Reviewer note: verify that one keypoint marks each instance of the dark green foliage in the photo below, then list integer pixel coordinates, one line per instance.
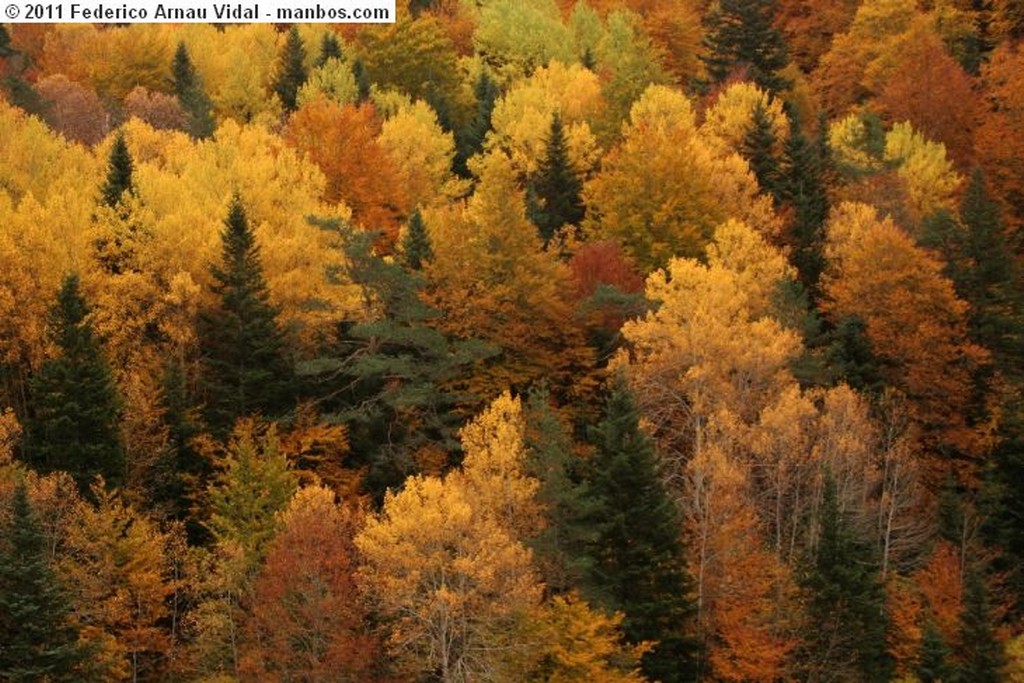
(188, 87)
(73, 421)
(470, 140)
(37, 642)
(185, 470)
(638, 563)
(330, 48)
(803, 188)
(291, 70)
(246, 370)
(741, 37)
(846, 602)
(981, 653)
(120, 171)
(17, 90)
(934, 663)
(416, 249)
(759, 149)
(362, 81)
(564, 495)
(391, 379)
(556, 186)
(850, 357)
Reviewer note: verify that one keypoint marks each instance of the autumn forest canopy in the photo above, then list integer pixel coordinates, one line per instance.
(518, 340)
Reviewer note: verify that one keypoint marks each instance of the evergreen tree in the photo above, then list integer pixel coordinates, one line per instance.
(416, 249)
(933, 666)
(18, 91)
(120, 174)
(74, 406)
(741, 35)
(803, 188)
(471, 140)
(188, 87)
(556, 186)
(291, 70)
(638, 564)
(185, 471)
(330, 48)
(37, 642)
(847, 602)
(243, 348)
(362, 81)
(982, 657)
(758, 149)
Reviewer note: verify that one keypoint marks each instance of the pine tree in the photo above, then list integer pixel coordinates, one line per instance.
(933, 666)
(803, 188)
(980, 651)
(638, 564)
(185, 470)
(741, 35)
(120, 174)
(758, 149)
(416, 249)
(243, 348)
(471, 139)
(330, 48)
(847, 602)
(556, 186)
(74, 404)
(291, 71)
(362, 81)
(37, 642)
(188, 87)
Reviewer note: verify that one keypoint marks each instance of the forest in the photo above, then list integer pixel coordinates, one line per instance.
(516, 340)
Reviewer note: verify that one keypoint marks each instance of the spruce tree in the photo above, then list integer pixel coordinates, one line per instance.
(188, 88)
(246, 370)
(933, 666)
(416, 249)
(37, 642)
(846, 602)
(637, 561)
(758, 148)
(330, 48)
(981, 653)
(120, 174)
(471, 138)
(291, 70)
(741, 36)
(362, 81)
(73, 421)
(556, 186)
(803, 188)
(117, 250)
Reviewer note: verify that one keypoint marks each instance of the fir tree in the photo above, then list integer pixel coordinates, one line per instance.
(638, 565)
(741, 36)
(933, 666)
(120, 174)
(758, 149)
(185, 470)
(847, 602)
(74, 405)
(330, 48)
(982, 657)
(416, 249)
(37, 642)
(362, 81)
(556, 186)
(243, 348)
(471, 141)
(188, 88)
(803, 188)
(291, 70)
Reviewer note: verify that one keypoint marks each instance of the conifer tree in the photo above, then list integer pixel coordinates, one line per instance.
(981, 653)
(188, 87)
(847, 602)
(416, 249)
(246, 370)
(758, 149)
(330, 48)
(471, 139)
(120, 174)
(638, 565)
(803, 188)
(741, 35)
(933, 666)
(37, 641)
(556, 186)
(74, 405)
(362, 81)
(291, 70)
